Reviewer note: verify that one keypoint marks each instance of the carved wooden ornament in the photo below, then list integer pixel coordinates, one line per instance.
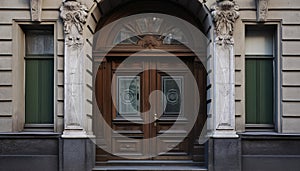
(150, 42)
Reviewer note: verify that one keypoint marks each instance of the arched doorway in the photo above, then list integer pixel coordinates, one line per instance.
(122, 95)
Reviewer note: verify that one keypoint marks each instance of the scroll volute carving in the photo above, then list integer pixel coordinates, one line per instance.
(224, 13)
(74, 15)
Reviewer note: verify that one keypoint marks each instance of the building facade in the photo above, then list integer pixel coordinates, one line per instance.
(149, 85)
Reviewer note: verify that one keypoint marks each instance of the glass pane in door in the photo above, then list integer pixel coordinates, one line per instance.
(172, 89)
(128, 92)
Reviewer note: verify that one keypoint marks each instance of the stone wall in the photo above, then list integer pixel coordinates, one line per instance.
(12, 15)
(286, 15)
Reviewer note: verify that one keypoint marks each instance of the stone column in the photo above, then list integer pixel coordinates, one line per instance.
(224, 13)
(74, 16)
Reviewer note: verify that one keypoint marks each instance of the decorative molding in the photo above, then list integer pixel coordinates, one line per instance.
(262, 10)
(150, 42)
(74, 15)
(36, 10)
(224, 13)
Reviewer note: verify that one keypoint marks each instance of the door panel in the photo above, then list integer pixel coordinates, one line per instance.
(126, 108)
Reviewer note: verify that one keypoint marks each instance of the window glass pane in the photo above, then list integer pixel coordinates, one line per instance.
(39, 91)
(259, 91)
(172, 89)
(251, 91)
(128, 95)
(266, 91)
(39, 43)
(259, 42)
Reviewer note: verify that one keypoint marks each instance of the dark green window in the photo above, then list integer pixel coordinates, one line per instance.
(259, 73)
(39, 77)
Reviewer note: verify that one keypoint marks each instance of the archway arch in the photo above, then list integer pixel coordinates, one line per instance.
(199, 11)
(127, 8)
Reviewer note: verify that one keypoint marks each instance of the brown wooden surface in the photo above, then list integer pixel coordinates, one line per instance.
(150, 80)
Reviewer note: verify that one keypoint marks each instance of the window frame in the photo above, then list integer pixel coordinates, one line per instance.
(275, 27)
(45, 56)
(20, 27)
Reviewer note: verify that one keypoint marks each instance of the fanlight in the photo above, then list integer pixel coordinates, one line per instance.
(147, 28)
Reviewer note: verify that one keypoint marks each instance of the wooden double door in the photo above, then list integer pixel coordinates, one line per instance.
(149, 104)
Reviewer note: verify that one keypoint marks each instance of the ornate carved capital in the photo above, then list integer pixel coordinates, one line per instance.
(225, 13)
(74, 15)
(262, 10)
(36, 10)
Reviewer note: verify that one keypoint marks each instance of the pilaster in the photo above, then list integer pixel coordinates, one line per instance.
(74, 16)
(224, 13)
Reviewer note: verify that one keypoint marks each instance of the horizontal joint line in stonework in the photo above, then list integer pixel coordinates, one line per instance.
(6, 40)
(272, 156)
(6, 70)
(290, 40)
(292, 70)
(6, 54)
(5, 100)
(284, 9)
(5, 115)
(296, 86)
(291, 55)
(296, 100)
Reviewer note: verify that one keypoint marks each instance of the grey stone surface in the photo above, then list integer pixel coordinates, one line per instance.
(270, 152)
(29, 163)
(227, 155)
(78, 154)
(259, 163)
(28, 153)
(28, 146)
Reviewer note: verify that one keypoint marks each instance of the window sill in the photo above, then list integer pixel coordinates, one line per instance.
(38, 128)
(260, 128)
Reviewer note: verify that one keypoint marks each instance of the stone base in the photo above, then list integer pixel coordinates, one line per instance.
(74, 133)
(78, 154)
(225, 154)
(224, 134)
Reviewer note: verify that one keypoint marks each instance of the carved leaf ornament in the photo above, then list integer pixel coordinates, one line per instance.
(224, 13)
(74, 16)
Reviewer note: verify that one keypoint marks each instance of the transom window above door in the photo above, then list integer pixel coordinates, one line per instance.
(165, 31)
(158, 30)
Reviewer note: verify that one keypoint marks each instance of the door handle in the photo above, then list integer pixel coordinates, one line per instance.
(155, 118)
